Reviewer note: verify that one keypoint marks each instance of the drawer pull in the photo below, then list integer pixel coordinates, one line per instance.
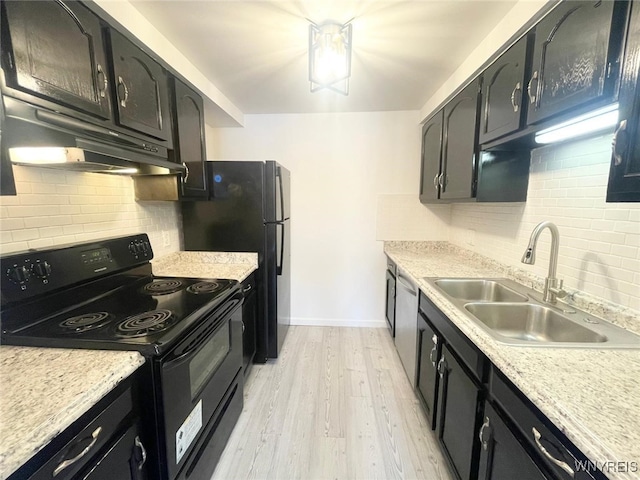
(246, 289)
(555, 461)
(143, 452)
(434, 350)
(86, 450)
(483, 442)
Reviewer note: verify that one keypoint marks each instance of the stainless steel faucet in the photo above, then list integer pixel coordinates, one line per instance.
(552, 286)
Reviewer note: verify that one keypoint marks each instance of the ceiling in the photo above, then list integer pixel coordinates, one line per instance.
(255, 52)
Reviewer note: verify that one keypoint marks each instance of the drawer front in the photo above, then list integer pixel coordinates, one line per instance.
(77, 453)
(558, 455)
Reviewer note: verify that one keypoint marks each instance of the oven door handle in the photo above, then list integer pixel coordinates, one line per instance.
(191, 349)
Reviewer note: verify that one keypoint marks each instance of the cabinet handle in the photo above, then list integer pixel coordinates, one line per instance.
(62, 465)
(532, 98)
(247, 288)
(619, 143)
(186, 173)
(483, 442)
(441, 180)
(435, 181)
(123, 101)
(517, 88)
(555, 461)
(434, 350)
(442, 367)
(143, 452)
(105, 82)
(242, 325)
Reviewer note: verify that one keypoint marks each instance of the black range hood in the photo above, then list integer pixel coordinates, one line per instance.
(36, 136)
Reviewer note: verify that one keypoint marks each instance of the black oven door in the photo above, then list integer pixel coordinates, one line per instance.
(194, 378)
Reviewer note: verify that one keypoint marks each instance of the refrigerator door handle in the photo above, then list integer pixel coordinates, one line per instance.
(281, 193)
(280, 262)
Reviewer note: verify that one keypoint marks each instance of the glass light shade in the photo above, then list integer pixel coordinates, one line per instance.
(330, 57)
(588, 123)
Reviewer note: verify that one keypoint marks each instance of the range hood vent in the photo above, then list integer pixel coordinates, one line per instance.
(38, 137)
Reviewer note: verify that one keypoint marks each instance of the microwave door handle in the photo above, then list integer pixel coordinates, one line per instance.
(280, 263)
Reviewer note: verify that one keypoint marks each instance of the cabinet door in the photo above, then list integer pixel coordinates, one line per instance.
(572, 64)
(457, 405)
(249, 319)
(124, 460)
(431, 154)
(429, 348)
(141, 89)
(56, 51)
(502, 455)
(459, 154)
(502, 93)
(189, 140)
(624, 176)
(390, 304)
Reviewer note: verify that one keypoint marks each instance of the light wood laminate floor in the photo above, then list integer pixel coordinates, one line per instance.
(336, 404)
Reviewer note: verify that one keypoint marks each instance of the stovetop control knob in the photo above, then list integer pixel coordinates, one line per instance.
(18, 274)
(133, 248)
(41, 269)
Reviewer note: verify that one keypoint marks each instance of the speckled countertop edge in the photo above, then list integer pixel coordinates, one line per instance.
(231, 265)
(591, 395)
(44, 390)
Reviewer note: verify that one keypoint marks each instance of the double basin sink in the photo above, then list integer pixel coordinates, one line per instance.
(512, 314)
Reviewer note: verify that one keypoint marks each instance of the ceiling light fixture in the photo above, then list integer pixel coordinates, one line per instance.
(591, 122)
(330, 56)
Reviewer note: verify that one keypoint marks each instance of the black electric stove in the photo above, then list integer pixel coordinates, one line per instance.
(101, 295)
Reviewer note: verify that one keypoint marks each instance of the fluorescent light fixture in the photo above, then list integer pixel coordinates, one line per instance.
(68, 158)
(330, 56)
(592, 122)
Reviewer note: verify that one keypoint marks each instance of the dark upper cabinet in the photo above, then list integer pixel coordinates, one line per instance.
(430, 159)
(574, 62)
(460, 145)
(502, 455)
(429, 348)
(189, 139)
(624, 175)
(141, 89)
(503, 86)
(55, 51)
(459, 398)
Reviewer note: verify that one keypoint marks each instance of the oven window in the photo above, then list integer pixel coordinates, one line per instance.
(207, 360)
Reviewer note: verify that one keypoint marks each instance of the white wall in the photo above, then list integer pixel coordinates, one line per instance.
(56, 207)
(599, 241)
(342, 167)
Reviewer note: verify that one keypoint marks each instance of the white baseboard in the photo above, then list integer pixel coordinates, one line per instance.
(338, 322)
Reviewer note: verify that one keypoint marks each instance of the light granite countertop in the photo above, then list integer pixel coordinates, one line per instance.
(591, 395)
(44, 390)
(232, 265)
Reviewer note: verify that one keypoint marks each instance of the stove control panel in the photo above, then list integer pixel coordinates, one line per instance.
(34, 272)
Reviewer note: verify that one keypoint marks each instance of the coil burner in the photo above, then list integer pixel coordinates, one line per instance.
(85, 322)
(145, 323)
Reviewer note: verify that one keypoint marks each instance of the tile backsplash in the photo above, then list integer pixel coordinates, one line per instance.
(55, 207)
(599, 241)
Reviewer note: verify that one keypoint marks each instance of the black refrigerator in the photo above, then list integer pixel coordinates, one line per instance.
(248, 211)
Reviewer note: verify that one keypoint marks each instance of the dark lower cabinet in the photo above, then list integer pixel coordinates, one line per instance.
(502, 456)
(105, 443)
(459, 401)
(624, 174)
(249, 321)
(429, 350)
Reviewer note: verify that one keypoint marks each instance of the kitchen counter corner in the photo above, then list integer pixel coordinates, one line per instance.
(230, 265)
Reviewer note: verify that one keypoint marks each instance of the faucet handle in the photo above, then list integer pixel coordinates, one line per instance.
(557, 289)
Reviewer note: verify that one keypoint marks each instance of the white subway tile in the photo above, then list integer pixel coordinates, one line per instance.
(40, 243)
(11, 224)
(25, 234)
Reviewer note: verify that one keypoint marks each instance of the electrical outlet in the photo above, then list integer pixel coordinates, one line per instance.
(166, 239)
